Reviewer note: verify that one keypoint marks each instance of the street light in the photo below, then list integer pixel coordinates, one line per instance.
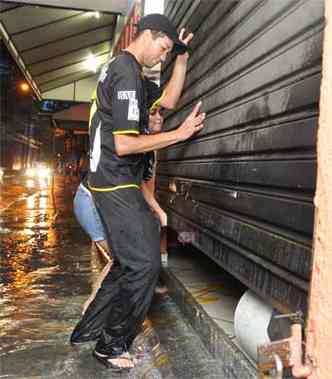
(24, 87)
(91, 63)
(95, 14)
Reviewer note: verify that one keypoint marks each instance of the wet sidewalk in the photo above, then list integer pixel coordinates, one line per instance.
(11, 189)
(46, 270)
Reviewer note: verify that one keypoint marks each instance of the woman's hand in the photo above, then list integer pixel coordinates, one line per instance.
(162, 215)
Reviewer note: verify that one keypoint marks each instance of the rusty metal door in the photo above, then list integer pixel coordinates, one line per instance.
(244, 186)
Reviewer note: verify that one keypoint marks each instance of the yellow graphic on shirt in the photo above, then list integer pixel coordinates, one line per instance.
(110, 189)
(156, 103)
(120, 132)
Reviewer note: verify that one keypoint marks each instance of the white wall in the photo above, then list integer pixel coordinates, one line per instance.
(81, 90)
(153, 6)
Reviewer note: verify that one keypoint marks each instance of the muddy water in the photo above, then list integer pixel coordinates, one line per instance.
(46, 269)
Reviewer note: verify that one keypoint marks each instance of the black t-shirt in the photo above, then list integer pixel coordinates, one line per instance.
(121, 107)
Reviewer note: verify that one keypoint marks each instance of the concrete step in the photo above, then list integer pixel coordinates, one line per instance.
(207, 297)
(183, 349)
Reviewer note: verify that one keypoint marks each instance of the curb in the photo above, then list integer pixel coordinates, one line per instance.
(233, 361)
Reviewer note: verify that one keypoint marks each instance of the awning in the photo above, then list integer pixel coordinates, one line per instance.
(57, 48)
(75, 118)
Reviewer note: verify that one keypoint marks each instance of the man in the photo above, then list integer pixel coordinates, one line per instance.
(119, 138)
(84, 207)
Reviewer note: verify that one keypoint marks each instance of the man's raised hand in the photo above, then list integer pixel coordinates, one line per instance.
(192, 124)
(188, 38)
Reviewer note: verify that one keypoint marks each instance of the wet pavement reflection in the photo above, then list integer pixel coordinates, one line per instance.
(46, 270)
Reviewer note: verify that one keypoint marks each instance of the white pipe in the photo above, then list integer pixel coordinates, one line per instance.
(251, 322)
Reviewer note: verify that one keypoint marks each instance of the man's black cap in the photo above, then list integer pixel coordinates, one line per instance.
(161, 23)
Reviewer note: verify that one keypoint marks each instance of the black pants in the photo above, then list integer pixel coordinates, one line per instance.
(122, 302)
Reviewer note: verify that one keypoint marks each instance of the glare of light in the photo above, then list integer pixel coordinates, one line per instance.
(30, 172)
(24, 87)
(40, 172)
(95, 14)
(91, 63)
(44, 172)
(17, 166)
(27, 231)
(43, 202)
(42, 183)
(30, 183)
(31, 202)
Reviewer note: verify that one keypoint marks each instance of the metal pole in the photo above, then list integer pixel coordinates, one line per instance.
(319, 330)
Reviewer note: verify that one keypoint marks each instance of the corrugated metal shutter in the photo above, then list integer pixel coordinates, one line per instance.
(245, 184)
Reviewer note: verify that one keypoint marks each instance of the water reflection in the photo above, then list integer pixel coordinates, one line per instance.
(30, 183)
(32, 310)
(30, 201)
(45, 274)
(40, 215)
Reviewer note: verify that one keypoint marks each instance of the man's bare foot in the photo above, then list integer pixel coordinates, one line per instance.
(122, 362)
(160, 290)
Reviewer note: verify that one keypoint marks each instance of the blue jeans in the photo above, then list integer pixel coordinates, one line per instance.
(87, 214)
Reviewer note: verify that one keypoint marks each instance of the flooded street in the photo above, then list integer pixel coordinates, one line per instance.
(46, 273)
(45, 268)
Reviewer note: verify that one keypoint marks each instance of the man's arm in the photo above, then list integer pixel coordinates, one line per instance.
(126, 144)
(173, 89)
